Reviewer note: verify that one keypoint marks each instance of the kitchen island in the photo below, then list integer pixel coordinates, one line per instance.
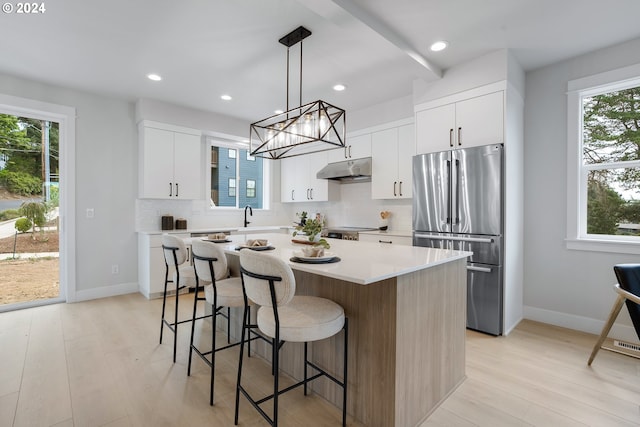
(407, 314)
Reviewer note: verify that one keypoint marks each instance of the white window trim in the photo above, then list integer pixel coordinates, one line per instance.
(576, 200)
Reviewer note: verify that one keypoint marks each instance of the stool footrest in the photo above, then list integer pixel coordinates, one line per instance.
(292, 386)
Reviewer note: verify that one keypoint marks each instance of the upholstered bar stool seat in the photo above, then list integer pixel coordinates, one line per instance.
(187, 276)
(303, 319)
(229, 292)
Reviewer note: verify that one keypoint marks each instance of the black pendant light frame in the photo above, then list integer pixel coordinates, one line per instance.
(310, 128)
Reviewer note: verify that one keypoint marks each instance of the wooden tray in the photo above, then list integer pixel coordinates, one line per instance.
(303, 242)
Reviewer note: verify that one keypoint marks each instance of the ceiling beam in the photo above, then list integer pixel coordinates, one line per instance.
(388, 33)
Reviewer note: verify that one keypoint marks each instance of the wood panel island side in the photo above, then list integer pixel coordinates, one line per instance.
(407, 317)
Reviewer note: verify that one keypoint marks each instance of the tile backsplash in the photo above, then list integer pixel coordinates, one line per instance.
(353, 208)
(356, 208)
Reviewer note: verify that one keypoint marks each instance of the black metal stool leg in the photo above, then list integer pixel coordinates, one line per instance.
(213, 346)
(276, 369)
(305, 367)
(228, 325)
(164, 300)
(344, 378)
(193, 325)
(245, 322)
(175, 324)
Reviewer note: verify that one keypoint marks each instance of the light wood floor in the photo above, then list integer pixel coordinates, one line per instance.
(98, 363)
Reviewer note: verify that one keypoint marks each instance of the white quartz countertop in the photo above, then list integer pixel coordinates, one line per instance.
(361, 262)
(254, 229)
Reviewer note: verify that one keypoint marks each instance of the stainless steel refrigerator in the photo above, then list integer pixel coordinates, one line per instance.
(458, 204)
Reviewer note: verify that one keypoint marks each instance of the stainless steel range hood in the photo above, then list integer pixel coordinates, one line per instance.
(357, 170)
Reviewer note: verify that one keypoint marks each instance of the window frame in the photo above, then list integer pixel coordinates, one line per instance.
(577, 237)
(234, 186)
(247, 181)
(237, 144)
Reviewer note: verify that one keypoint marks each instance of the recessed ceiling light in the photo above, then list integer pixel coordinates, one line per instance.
(278, 111)
(439, 45)
(339, 87)
(226, 97)
(154, 77)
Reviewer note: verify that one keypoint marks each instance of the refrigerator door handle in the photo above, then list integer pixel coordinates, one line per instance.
(456, 239)
(479, 269)
(448, 193)
(470, 239)
(457, 191)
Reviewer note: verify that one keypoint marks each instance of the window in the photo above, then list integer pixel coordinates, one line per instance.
(237, 179)
(251, 188)
(232, 187)
(604, 147)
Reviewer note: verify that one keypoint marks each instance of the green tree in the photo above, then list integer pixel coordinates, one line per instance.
(31, 161)
(611, 133)
(36, 213)
(13, 138)
(22, 146)
(603, 208)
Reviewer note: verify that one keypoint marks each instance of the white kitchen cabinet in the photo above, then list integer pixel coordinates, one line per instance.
(356, 147)
(391, 156)
(290, 185)
(298, 182)
(151, 267)
(384, 238)
(471, 122)
(170, 162)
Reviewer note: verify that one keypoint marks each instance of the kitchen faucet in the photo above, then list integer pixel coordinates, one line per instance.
(245, 215)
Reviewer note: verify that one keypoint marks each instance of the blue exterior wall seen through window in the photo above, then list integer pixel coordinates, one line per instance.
(249, 169)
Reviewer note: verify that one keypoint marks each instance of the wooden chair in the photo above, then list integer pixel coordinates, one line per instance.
(628, 289)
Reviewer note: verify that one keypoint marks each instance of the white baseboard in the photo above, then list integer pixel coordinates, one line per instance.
(580, 323)
(106, 291)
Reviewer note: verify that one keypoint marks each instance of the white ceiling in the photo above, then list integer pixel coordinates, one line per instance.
(205, 48)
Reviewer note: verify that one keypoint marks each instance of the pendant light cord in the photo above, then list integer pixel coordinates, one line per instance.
(288, 66)
(287, 81)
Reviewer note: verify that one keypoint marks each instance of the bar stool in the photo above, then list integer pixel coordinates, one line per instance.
(210, 265)
(175, 257)
(282, 316)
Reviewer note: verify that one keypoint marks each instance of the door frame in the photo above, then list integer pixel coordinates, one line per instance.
(66, 117)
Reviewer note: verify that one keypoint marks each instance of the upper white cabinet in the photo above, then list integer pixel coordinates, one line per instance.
(471, 122)
(356, 147)
(298, 182)
(170, 162)
(391, 155)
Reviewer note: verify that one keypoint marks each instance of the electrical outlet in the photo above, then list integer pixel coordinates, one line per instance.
(89, 212)
(114, 269)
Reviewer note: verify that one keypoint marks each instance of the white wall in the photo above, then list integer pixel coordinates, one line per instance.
(490, 68)
(106, 180)
(564, 287)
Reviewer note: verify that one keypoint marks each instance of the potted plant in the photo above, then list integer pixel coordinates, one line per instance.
(312, 229)
(303, 218)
